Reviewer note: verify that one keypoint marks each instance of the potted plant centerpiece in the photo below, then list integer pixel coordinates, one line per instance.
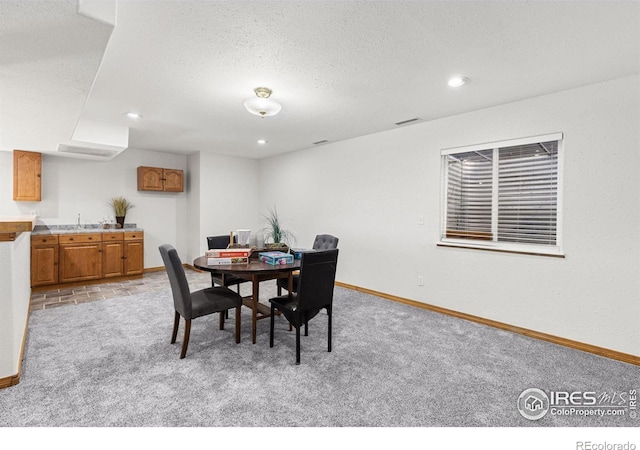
(120, 207)
(279, 237)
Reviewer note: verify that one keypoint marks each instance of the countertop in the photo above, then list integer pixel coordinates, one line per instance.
(72, 229)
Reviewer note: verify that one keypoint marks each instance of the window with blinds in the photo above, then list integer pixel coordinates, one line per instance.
(503, 194)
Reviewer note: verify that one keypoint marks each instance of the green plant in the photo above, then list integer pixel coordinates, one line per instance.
(273, 230)
(120, 206)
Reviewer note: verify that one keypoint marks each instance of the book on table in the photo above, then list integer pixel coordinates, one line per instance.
(228, 253)
(223, 261)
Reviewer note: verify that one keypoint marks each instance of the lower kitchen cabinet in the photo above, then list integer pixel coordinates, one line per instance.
(44, 260)
(112, 255)
(133, 253)
(66, 258)
(80, 257)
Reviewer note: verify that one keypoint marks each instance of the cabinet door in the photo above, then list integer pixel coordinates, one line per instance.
(44, 265)
(150, 179)
(133, 257)
(27, 167)
(173, 180)
(79, 262)
(112, 259)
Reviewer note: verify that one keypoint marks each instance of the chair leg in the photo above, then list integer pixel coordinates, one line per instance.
(185, 341)
(226, 313)
(279, 291)
(238, 313)
(221, 314)
(306, 323)
(176, 322)
(329, 326)
(271, 324)
(298, 345)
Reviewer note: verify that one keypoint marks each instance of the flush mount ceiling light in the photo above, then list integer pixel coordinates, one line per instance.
(132, 115)
(457, 81)
(262, 105)
(261, 141)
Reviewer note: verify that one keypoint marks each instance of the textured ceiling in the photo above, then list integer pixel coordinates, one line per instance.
(49, 57)
(340, 69)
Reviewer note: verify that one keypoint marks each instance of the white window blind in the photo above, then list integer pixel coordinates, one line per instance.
(503, 194)
(469, 195)
(528, 193)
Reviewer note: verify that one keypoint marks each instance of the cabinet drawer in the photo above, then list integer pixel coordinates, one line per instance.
(133, 235)
(80, 238)
(112, 236)
(44, 239)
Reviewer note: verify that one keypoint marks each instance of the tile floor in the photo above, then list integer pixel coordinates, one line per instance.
(152, 281)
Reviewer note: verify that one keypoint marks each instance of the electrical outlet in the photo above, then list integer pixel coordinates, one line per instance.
(35, 212)
(420, 281)
(420, 220)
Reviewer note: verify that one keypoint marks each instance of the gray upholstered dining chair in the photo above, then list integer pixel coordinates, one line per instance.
(315, 292)
(321, 242)
(191, 305)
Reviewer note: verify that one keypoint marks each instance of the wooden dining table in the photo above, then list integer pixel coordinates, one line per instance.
(256, 272)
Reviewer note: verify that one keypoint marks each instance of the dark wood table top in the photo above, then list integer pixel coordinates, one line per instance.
(253, 266)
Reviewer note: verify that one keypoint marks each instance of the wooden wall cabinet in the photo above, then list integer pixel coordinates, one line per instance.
(159, 179)
(44, 260)
(27, 176)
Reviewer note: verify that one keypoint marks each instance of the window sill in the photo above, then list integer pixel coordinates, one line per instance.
(552, 252)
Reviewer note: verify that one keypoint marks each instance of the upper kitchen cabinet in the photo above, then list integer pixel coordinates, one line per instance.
(27, 176)
(159, 179)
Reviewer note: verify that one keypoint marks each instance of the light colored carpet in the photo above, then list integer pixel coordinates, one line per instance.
(109, 363)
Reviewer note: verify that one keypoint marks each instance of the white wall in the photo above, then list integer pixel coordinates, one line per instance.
(15, 293)
(370, 191)
(224, 198)
(73, 186)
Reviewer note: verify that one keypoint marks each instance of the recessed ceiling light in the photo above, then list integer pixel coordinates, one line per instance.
(457, 81)
(132, 115)
(262, 141)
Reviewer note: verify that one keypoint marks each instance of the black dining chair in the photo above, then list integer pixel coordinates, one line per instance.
(191, 305)
(315, 292)
(223, 279)
(321, 242)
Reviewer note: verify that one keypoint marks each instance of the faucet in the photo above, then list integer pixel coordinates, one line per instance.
(78, 227)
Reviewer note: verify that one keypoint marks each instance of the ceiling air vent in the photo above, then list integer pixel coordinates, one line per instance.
(324, 141)
(87, 151)
(404, 122)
